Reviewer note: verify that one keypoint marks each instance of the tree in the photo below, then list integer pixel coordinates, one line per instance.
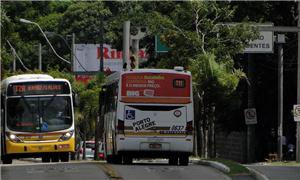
(83, 19)
(200, 41)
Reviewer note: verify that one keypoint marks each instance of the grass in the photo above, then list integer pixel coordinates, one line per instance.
(235, 168)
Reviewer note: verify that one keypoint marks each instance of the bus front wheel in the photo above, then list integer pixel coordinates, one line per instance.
(6, 160)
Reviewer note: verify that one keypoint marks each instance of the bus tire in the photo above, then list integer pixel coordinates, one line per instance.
(127, 160)
(183, 160)
(45, 158)
(173, 160)
(64, 157)
(6, 160)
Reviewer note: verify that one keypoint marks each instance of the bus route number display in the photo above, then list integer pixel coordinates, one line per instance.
(20, 89)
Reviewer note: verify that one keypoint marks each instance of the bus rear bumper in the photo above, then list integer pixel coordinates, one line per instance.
(155, 146)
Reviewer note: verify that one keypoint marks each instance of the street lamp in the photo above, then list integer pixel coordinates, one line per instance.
(72, 49)
(30, 22)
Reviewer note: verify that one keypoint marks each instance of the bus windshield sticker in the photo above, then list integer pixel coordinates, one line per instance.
(130, 114)
(143, 124)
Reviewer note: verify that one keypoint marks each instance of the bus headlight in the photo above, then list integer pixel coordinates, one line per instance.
(66, 136)
(14, 138)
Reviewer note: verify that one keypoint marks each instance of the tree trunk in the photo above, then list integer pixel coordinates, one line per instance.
(211, 132)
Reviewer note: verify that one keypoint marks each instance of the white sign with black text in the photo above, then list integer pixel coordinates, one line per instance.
(264, 43)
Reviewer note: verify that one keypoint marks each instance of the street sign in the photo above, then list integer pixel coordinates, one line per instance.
(297, 112)
(250, 116)
(263, 44)
(159, 46)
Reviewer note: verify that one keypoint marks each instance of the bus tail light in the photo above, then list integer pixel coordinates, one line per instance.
(66, 136)
(14, 138)
(189, 127)
(120, 127)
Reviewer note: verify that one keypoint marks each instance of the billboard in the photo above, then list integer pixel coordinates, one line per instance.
(87, 58)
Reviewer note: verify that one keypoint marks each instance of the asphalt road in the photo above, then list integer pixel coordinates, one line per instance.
(160, 170)
(53, 171)
(278, 172)
(141, 170)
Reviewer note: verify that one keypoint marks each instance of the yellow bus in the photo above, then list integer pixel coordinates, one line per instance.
(37, 118)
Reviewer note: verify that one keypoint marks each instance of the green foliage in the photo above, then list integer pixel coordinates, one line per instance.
(83, 18)
(56, 73)
(219, 78)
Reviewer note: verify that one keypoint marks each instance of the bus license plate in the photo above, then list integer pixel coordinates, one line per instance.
(155, 146)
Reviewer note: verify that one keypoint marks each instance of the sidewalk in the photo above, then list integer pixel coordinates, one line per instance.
(251, 175)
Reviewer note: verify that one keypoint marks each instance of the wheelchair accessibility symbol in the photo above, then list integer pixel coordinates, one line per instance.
(130, 114)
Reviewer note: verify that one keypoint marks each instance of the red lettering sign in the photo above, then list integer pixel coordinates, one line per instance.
(114, 54)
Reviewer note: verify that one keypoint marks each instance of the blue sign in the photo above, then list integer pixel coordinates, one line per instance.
(130, 114)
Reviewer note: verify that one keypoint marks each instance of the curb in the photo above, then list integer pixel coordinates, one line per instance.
(217, 165)
(258, 175)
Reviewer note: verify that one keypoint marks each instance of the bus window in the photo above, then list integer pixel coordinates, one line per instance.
(39, 114)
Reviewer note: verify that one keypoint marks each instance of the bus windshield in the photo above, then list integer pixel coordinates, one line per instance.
(39, 114)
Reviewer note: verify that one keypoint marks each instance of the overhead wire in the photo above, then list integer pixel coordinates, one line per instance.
(76, 58)
(17, 55)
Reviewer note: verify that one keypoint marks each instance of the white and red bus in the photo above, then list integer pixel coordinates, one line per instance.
(149, 113)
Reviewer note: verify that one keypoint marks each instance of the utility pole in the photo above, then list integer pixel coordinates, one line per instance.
(40, 56)
(298, 92)
(280, 41)
(251, 104)
(126, 36)
(73, 52)
(14, 60)
(101, 44)
(98, 129)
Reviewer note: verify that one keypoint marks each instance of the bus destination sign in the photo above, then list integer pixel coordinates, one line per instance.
(38, 88)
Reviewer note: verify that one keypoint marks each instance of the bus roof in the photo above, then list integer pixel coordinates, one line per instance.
(156, 71)
(116, 75)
